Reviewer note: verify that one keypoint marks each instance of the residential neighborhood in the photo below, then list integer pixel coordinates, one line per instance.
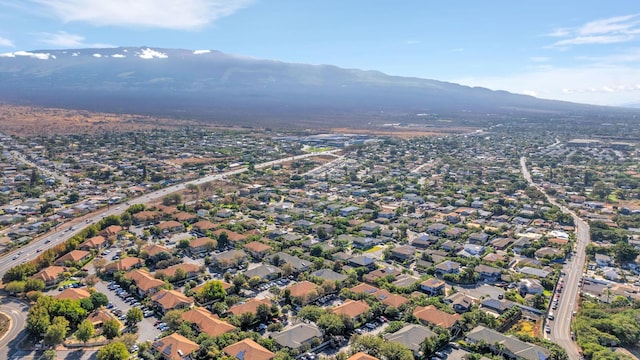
(386, 249)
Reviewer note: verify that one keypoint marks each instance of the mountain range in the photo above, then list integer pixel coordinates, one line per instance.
(211, 85)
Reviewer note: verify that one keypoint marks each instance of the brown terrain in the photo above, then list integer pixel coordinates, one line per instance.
(34, 121)
(38, 121)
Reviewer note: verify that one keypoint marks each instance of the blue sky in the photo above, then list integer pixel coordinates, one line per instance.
(577, 50)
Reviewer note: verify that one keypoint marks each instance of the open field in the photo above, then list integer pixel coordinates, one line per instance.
(407, 132)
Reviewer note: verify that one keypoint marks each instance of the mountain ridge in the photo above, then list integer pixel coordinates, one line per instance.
(212, 85)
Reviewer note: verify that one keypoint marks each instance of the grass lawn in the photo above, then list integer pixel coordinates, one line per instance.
(375, 248)
(547, 293)
(524, 327)
(67, 282)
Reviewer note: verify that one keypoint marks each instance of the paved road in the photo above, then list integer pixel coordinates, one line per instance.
(573, 269)
(64, 232)
(17, 312)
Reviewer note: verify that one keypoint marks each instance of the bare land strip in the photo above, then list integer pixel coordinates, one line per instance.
(407, 132)
(4, 324)
(35, 121)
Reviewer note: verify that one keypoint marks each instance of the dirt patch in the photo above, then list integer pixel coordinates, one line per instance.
(34, 121)
(4, 324)
(407, 132)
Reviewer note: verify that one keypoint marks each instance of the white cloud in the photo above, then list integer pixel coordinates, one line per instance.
(41, 56)
(4, 42)
(118, 56)
(200, 52)
(150, 54)
(66, 40)
(611, 30)
(592, 84)
(168, 14)
(529, 92)
(97, 55)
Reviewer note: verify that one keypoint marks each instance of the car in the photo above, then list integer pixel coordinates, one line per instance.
(47, 241)
(547, 329)
(370, 325)
(359, 331)
(550, 316)
(110, 306)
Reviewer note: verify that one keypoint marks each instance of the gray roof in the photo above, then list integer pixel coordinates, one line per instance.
(411, 336)
(519, 348)
(296, 336)
(262, 271)
(328, 274)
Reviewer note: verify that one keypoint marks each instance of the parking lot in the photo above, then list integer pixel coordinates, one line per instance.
(146, 329)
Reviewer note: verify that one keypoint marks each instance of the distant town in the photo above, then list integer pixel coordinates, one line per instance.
(510, 241)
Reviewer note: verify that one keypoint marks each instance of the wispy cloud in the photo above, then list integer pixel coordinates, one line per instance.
(611, 30)
(168, 14)
(4, 42)
(590, 84)
(540, 59)
(66, 40)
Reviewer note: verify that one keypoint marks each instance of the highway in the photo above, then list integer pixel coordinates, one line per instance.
(573, 270)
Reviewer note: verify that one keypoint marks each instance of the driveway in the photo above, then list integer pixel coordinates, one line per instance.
(479, 290)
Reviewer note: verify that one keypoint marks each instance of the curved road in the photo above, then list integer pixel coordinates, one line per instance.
(17, 312)
(573, 269)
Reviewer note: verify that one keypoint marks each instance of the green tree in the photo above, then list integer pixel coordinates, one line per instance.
(211, 290)
(173, 319)
(134, 316)
(33, 285)
(15, 287)
(331, 323)
(50, 354)
(114, 351)
(38, 320)
(111, 329)
(99, 299)
(263, 312)
(85, 331)
(57, 332)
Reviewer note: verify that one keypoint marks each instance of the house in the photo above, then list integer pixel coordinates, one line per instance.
(373, 276)
(521, 244)
(362, 356)
(437, 228)
(297, 264)
(352, 309)
(507, 345)
(328, 274)
(459, 302)
(549, 252)
(603, 260)
(124, 264)
(363, 261)
(297, 336)
(447, 267)
(171, 226)
(145, 282)
(154, 250)
(111, 231)
(478, 238)
(412, 336)
(167, 300)
(73, 294)
(501, 243)
(381, 295)
(405, 281)
(264, 272)
(495, 305)
(251, 306)
(304, 292)
(202, 245)
(257, 249)
(175, 347)
(248, 349)
(101, 316)
(146, 217)
(229, 259)
(364, 243)
(50, 275)
(403, 253)
(202, 226)
(189, 271)
(206, 322)
(96, 242)
(530, 286)
(185, 217)
(433, 286)
(488, 272)
(430, 315)
(73, 257)
(423, 241)
(450, 245)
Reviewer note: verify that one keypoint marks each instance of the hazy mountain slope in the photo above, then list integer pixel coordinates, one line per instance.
(213, 85)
